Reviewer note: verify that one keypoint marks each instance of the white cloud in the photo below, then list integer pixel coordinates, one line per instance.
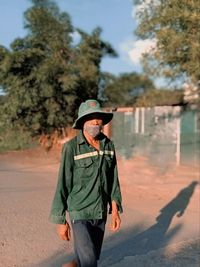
(133, 50)
(139, 48)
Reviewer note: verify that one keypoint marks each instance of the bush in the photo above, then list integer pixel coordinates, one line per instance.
(15, 139)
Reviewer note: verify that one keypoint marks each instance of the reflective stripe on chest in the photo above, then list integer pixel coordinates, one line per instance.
(93, 154)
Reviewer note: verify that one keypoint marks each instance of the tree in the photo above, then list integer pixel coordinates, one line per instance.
(44, 75)
(160, 97)
(125, 89)
(174, 25)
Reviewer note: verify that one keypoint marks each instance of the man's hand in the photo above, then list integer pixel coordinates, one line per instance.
(115, 221)
(64, 231)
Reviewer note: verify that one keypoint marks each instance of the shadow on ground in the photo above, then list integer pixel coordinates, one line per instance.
(135, 240)
(131, 243)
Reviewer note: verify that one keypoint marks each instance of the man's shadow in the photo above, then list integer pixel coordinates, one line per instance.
(156, 236)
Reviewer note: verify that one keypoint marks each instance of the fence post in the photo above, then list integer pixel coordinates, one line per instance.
(178, 141)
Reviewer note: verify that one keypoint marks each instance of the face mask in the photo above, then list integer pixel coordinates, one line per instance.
(93, 130)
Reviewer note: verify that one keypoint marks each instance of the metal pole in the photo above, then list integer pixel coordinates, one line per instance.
(178, 141)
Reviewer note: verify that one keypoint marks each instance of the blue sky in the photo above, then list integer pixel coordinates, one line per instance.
(115, 17)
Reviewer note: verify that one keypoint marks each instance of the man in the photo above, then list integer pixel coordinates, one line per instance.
(87, 184)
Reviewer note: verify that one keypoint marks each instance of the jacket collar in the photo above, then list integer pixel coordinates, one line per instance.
(80, 137)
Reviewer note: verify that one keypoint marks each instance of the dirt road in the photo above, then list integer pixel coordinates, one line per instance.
(160, 223)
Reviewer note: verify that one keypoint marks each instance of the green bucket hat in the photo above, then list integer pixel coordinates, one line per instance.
(88, 108)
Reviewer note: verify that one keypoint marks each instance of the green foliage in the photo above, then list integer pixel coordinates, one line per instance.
(125, 89)
(44, 76)
(162, 97)
(15, 139)
(2, 100)
(174, 24)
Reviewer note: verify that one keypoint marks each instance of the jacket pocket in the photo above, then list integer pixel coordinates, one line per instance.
(83, 163)
(84, 168)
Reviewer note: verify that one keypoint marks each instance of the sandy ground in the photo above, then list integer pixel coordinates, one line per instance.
(160, 223)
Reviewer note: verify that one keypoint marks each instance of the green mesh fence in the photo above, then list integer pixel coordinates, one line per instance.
(163, 134)
(190, 137)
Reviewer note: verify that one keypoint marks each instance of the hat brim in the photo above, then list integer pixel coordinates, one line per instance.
(105, 116)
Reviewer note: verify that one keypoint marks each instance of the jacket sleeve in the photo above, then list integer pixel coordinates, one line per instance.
(64, 184)
(116, 192)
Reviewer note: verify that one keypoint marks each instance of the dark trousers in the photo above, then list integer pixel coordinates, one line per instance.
(88, 239)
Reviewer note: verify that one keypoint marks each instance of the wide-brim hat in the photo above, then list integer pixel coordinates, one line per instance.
(87, 109)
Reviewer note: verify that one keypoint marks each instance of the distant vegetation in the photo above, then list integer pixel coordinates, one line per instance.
(133, 89)
(15, 139)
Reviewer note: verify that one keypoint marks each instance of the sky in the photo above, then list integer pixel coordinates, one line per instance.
(115, 17)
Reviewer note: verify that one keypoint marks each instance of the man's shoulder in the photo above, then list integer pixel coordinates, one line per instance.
(71, 143)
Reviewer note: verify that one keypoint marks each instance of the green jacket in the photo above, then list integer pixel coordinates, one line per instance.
(87, 181)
